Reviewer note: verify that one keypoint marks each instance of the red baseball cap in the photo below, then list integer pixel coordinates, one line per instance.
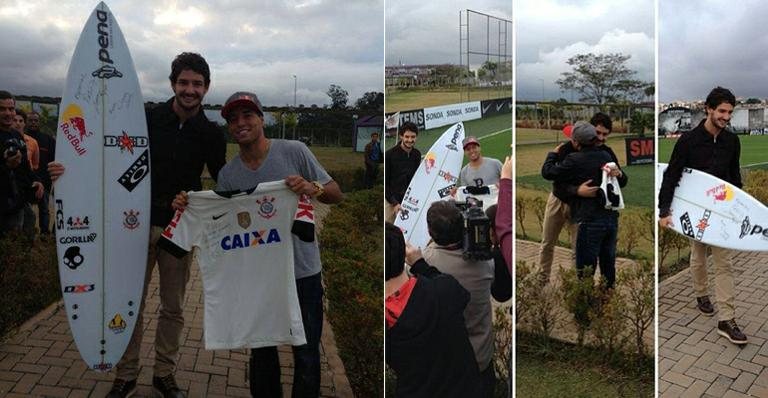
(470, 140)
(242, 98)
(568, 130)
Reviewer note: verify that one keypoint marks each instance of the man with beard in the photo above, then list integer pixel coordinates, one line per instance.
(401, 164)
(182, 141)
(710, 148)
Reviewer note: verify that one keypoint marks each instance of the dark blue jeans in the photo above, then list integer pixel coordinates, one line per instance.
(265, 364)
(596, 240)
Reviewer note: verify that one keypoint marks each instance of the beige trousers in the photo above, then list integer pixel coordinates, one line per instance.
(724, 296)
(557, 214)
(174, 274)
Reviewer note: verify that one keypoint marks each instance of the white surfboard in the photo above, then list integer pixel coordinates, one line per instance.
(433, 181)
(102, 200)
(715, 212)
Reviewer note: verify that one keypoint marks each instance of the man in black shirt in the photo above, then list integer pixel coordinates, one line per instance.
(598, 226)
(710, 148)
(401, 164)
(47, 145)
(18, 184)
(427, 342)
(557, 213)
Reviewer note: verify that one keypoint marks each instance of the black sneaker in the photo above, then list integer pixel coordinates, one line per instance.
(730, 331)
(705, 306)
(122, 389)
(166, 387)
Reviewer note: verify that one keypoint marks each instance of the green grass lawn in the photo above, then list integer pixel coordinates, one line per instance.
(530, 136)
(403, 100)
(538, 377)
(753, 150)
(479, 128)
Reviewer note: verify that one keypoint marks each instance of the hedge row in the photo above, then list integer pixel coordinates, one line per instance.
(29, 279)
(352, 251)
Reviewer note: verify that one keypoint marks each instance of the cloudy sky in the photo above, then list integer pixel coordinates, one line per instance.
(427, 32)
(252, 45)
(704, 44)
(551, 31)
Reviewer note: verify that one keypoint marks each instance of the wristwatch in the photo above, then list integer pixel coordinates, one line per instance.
(319, 189)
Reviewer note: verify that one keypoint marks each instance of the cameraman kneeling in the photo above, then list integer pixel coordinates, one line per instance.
(445, 224)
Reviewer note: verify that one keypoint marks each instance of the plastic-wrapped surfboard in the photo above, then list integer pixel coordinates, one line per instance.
(102, 199)
(433, 181)
(715, 212)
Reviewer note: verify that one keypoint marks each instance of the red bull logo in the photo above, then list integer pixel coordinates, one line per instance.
(429, 162)
(72, 126)
(721, 193)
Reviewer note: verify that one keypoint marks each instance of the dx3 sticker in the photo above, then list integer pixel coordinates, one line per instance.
(138, 170)
(79, 288)
(703, 224)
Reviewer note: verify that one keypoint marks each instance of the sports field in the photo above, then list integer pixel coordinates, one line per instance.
(494, 133)
(532, 136)
(754, 151)
(403, 100)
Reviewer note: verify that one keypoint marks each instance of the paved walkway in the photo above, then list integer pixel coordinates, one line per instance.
(41, 359)
(566, 328)
(693, 359)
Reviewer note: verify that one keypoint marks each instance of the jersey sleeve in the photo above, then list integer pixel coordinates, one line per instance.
(182, 233)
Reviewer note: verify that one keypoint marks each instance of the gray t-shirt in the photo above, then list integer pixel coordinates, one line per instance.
(283, 159)
(488, 173)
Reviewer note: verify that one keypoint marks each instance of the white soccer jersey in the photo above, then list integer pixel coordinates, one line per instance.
(245, 253)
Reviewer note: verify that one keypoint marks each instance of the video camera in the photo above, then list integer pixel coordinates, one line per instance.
(11, 147)
(476, 241)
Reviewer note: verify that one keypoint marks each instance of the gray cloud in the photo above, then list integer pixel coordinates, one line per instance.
(709, 43)
(423, 32)
(255, 45)
(551, 31)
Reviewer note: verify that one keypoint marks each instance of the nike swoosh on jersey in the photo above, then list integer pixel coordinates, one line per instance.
(220, 216)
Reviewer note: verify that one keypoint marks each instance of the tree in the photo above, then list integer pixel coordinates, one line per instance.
(601, 78)
(490, 68)
(649, 90)
(339, 96)
(370, 101)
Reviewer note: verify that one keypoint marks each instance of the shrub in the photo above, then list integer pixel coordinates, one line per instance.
(578, 294)
(502, 328)
(29, 279)
(351, 241)
(520, 205)
(637, 290)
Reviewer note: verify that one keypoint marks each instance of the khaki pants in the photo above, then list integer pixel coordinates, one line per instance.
(389, 212)
(724, 296)
(557, 214)
(174, 274)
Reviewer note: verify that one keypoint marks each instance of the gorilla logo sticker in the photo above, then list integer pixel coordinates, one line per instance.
(73, 258)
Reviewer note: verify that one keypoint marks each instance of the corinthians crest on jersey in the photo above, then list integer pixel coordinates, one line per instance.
(266, 207)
